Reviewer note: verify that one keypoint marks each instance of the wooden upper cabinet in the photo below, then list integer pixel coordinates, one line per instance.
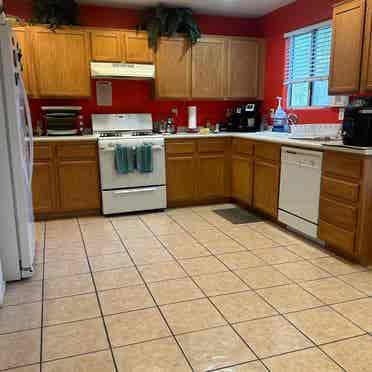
(107, 46)
(366, 81)
(61, 62)
(173, 68)
(245, 61)
(209, 68)
(347, 44)
(137, 48)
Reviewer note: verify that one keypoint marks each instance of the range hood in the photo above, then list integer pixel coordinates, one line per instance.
(121, 71)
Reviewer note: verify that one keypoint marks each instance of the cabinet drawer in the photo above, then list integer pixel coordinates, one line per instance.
(77, 151)
(337, 237)
(267, 151)
(43, 152)
(207, 145)
(344, 190)
(183, 147)
(344, 165)
(338, 214)
(242, 147)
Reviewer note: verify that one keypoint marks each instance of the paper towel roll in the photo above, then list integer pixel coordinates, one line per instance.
(192, 117)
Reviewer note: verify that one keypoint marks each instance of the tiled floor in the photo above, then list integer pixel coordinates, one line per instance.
(185, 290)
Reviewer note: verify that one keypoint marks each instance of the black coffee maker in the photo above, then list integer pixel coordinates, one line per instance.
(246, 118)
(357, 124)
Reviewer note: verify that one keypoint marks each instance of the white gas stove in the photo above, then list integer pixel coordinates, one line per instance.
(133, 191)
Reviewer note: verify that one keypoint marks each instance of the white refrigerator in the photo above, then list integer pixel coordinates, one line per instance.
(17, 237)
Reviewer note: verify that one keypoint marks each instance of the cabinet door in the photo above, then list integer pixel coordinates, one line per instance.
(245, 68)
(137, 48)
(211, 177)
(107, 46)
(209, 68)
(266, 187)
(173, 68)
(347, 44)
(366, 83)
(61, 62)
(242, 179)
(78, 185)
(181, 179)
(43, 187)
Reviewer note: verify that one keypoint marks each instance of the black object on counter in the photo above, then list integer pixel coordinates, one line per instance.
(246, 118)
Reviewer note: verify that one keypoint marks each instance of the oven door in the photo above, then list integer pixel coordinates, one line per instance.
(112, 180)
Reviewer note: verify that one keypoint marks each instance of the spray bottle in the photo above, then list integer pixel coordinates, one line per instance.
(280, 118)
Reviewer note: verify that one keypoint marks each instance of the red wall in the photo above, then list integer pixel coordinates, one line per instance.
(137, 96)
(300, 14)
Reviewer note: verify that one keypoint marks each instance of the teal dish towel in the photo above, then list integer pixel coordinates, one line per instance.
(144, 157)
(124, 159)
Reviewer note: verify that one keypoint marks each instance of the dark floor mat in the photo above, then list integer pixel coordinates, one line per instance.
(238, 216)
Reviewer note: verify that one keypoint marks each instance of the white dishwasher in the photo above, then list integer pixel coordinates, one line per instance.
(300, 181)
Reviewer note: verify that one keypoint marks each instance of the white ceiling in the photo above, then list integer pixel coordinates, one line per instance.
(243, 8)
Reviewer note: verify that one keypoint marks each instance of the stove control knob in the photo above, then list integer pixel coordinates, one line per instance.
(111, 145)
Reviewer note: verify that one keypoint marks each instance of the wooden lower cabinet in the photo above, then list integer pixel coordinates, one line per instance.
(242, 179)
(66, 179)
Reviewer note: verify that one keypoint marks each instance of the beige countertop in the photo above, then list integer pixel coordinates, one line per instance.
(280, 138)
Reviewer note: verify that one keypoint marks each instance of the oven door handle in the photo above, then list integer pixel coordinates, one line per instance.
(133, 191)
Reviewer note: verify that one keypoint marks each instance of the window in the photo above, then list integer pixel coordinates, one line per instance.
(307, 66)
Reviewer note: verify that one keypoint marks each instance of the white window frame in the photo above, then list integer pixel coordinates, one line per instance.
(287, 36)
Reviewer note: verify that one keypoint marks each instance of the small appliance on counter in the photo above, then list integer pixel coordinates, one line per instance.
(246, 118)
(62, 120)
(357, 124)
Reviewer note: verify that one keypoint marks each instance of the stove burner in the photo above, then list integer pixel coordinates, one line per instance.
(142, 133)
(119, 133)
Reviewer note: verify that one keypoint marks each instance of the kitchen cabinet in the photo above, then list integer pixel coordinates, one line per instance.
(209, 68)
(137, 48)
(107, 46)
(173, 68)
(245, 68)
(66, 179)
(366, 80)
(61, 62)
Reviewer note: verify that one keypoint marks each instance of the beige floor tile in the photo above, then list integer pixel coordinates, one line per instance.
(104, 247)
(276, 234)
(192, 250)
(57, 269)
(272, 336)
(110, 261)
(203, 265)
(38, 273)
(160, 355)
(162, 271)
(123, 277)
(125, 299)
(59, 250)
(210, 235)
(310, 360)
(323, 325)
(69, 286)
(150, 256)
(135, 327)
(20, 317)
(33, 368)
(192, 316)
(73, 338)
(359, 311)
(22, 292)
(19, 349)
(95, 362)
(241, 260)
(240, 307)
(221, 283)
(224, 245)
(96, 220)
(308, 250)
(332, 290)
(214, 348)
(337, 265)
(262, 277)
(177, 240)
(301, 271)
(171, 291)
(70, 309)
(289, 298)
(165, 228)
(276, 255)
(251, 239)
(143, 244)
(360, 280)
(255, 366)
(353, 355)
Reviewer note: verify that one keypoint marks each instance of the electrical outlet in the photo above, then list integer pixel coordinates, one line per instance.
(341, 114)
